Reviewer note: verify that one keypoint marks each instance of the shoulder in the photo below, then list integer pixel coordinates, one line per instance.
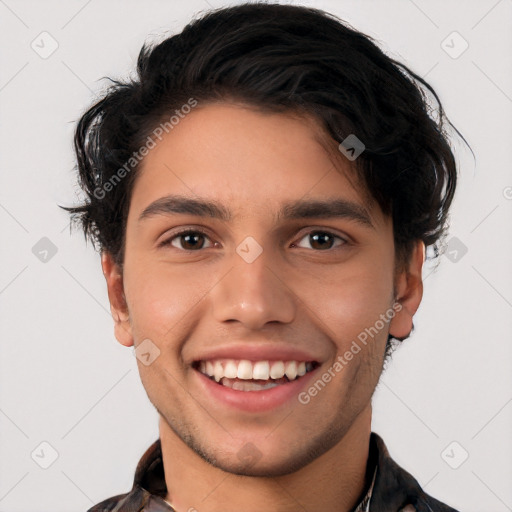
(108, 505)
(425, 503)
(396, 489)
(115, 503)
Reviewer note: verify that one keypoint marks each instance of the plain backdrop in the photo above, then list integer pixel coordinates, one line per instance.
(446, 399)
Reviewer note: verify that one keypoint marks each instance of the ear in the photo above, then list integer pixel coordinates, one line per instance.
(117, 299)
(409, 292)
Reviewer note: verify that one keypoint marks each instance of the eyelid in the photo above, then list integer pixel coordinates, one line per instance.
(324, 229)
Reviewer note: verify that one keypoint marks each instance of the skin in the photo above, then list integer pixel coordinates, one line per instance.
(314, 298)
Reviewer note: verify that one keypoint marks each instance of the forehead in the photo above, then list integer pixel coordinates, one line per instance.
(251, 161)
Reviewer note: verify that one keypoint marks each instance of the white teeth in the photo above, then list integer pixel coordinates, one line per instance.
(250, 370)
(261, 370)
(230, 370)
(250, 386)
(291, 369)
(244, 370)
(218, 372)
(277, 370)
(227, 382)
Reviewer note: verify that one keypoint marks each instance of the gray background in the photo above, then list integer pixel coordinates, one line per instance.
(64, 379)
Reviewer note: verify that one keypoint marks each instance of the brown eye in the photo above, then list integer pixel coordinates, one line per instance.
(322, 240)
(189, 240)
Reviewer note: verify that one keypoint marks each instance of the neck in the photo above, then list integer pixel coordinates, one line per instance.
(334, 482)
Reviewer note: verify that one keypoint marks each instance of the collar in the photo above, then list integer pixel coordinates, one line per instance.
(364, 505)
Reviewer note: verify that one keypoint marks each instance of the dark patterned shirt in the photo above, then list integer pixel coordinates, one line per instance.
(390, 488)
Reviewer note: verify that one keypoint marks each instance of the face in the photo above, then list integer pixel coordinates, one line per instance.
(282, 271)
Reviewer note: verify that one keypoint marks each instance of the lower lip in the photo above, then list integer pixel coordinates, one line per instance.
(255, 401)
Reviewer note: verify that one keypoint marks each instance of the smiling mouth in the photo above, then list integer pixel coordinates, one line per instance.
(245, 375)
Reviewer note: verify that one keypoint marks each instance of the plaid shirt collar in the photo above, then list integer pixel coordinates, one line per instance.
(391, 489)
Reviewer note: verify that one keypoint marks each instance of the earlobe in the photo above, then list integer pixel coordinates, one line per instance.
(117, 299)
(409, 292)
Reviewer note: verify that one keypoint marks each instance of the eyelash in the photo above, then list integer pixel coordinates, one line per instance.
(189, 231)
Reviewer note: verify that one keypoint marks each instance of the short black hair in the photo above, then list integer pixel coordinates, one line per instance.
(279, 58)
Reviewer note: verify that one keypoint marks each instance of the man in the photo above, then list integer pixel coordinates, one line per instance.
(262, 195)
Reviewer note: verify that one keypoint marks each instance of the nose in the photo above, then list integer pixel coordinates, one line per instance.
(254, 293)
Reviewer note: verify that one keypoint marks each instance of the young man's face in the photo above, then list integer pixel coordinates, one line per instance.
(317, 284)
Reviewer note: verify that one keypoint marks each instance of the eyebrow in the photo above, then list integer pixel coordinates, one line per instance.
(301, 209)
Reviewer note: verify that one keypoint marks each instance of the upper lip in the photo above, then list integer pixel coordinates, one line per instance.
(252, 352)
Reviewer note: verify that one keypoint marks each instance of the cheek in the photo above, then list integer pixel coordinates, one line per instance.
(161, 299)
(351, 302)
